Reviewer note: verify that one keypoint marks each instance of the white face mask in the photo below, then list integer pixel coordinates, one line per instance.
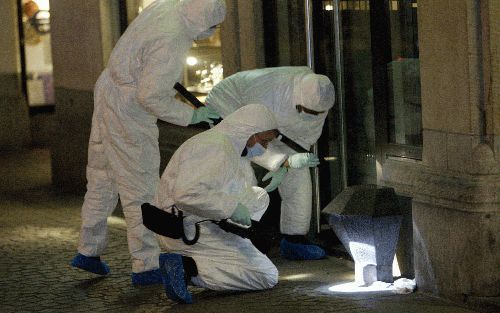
(309, 117)
(204, 35)
(256, 150)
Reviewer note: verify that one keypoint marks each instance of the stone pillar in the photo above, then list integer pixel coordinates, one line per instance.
(83, 34)
(456, 187)
(242, 36)
(14, 118)
(493, 106)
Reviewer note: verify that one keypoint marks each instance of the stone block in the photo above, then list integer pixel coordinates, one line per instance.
(434, 154)
(371, 241)
(367, 220)
(457, 253)
(366, 200)
(73, 118)
(459, 149)
(14, 123)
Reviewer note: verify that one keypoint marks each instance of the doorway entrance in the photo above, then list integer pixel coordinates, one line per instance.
(36, 55)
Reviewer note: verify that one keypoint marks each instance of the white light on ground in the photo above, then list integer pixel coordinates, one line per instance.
(116, 221)
(295, 277)
(45, 234)
(191, 61)
(354, 287)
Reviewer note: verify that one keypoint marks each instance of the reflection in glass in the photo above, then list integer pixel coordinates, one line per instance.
(203, 68)
(405, 113)
(358, 92)
(329, 144)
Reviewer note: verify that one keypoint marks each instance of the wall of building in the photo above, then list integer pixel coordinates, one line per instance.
(456, 187)
(81, 37)
(14, 120)
(494, 91)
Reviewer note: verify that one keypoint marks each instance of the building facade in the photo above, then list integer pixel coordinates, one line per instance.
(417, 108)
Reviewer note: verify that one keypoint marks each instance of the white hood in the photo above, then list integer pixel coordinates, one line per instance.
(240, 125)
(199, 15)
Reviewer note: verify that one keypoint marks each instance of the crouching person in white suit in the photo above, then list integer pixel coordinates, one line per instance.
(207, 178)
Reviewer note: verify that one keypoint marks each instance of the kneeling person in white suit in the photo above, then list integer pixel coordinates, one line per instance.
(207, 178)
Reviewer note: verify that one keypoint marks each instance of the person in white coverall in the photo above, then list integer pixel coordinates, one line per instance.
(133, 92)
(300, 101)
(207, 178)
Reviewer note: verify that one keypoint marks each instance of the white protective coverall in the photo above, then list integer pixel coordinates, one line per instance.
(281, 89)
(207, 178)
(133, 92)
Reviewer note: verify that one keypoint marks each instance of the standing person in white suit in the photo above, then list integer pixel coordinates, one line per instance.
(300, 101)
(133, 92)
(208, 179)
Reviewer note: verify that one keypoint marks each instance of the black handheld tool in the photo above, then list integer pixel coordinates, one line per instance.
(193, 100)
(187, 95)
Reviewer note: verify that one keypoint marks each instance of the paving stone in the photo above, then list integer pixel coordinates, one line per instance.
(38, 238)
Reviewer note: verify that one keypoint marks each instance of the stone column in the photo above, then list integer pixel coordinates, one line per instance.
(83, 34)
(14, 118)
(493, 105)
(456, 187)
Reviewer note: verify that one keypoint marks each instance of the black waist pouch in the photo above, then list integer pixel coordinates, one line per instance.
(168, 224)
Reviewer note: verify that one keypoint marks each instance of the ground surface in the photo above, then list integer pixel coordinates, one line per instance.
(38, 237)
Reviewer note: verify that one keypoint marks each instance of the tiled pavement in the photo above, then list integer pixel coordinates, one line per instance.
(38, 236)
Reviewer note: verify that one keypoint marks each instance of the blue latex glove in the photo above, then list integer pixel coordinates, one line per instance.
(204, 114)
(276, 178)
(301, 160)
(241, 215)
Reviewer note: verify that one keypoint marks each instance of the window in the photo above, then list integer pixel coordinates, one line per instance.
(404, 105)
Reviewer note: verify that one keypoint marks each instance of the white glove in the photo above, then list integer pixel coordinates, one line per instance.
(301, 160)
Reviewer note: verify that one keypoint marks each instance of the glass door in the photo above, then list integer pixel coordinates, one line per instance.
(369, 49)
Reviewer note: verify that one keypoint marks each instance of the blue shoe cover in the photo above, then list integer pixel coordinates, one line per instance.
(172, 272)
(90, 264)
(297, 251)
(147, 278)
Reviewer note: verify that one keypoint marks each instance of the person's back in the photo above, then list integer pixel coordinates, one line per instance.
(279, 89)
(197, 153)
(255, 86)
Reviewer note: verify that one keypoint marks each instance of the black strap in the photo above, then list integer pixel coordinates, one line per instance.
(170, 224)
(191, 242)
(292, 144)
